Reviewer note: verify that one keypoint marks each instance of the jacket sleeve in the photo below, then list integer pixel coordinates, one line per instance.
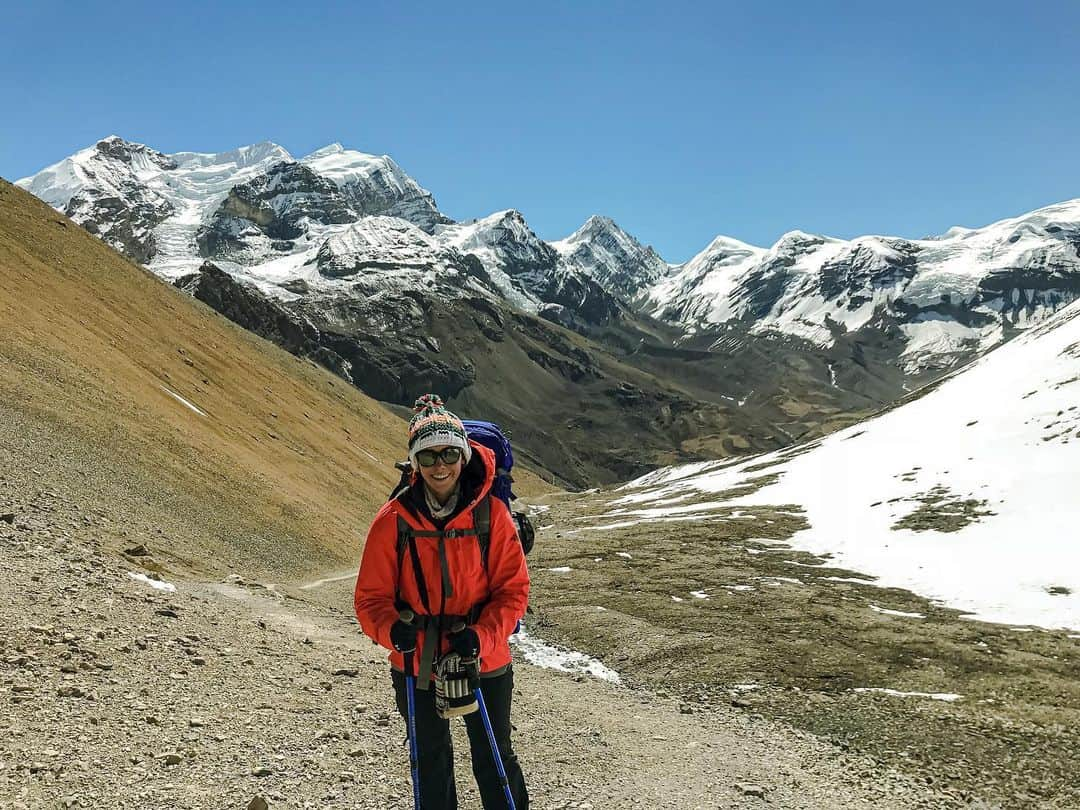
(376, 583)
(508, 580)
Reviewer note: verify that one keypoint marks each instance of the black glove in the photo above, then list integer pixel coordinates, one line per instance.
(465, 643)
(403, 636)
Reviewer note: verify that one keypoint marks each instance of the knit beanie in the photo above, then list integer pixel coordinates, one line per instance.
(434, 426)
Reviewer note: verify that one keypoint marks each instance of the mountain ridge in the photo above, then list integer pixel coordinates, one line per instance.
(786, 341)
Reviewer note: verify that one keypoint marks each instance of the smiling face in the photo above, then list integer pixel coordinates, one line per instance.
(441, 478)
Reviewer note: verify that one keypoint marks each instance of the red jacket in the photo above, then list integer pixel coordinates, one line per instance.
(503, 587)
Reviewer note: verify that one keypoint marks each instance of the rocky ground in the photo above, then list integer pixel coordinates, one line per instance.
(721, 612)
(239, 694)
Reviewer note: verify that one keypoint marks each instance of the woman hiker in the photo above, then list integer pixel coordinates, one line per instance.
(446, 583)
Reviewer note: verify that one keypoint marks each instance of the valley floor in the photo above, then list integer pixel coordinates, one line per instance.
(121, 695)
(720, 611)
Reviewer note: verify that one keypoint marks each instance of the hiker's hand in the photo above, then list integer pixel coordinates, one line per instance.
(403, 636)
(465, 643)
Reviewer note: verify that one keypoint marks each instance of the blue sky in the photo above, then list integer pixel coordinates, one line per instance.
(680, 121)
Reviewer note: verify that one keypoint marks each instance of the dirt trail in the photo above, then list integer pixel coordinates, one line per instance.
(587, 743)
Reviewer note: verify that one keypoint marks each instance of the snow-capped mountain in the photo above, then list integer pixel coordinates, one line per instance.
(246, 207)
(269, 219)
(534, 275)
(607, 254)
(801, 335)
(376, 185)
(965, 494)
(109, 189)
(952, 297)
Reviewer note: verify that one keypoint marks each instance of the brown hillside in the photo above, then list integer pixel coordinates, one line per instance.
(278, 476)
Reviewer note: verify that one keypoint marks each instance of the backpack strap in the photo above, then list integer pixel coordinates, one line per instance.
(482, 525)
(429, 623)
(407, 541)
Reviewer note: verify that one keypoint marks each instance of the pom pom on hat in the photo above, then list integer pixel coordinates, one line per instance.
(434, 426)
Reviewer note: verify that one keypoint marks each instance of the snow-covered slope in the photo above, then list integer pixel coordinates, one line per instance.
(967, 495)
(387, 252)
(952, 296)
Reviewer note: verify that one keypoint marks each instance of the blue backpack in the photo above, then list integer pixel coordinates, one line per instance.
(491, 436)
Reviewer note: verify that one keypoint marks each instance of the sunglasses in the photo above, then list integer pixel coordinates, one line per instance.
(449, 455)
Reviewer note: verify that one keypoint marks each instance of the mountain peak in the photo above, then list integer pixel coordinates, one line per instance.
(335, 148)
(798, 236)
(726, 245)
(600, 221)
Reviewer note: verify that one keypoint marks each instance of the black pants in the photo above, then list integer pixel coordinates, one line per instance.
(436, 750)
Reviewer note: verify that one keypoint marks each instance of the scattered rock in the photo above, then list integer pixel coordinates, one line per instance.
(258, 803)
(747, 789)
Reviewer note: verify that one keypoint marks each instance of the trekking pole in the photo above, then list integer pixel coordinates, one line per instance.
(408, 616)
(474, 673)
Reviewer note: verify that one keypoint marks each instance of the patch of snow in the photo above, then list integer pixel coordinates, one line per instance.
(625, 554)
(773, 580)
(562, 569)
(183, 401)
(889, 612)
(156, 584)
(699, 594)
(948, 697)
(545, 655)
